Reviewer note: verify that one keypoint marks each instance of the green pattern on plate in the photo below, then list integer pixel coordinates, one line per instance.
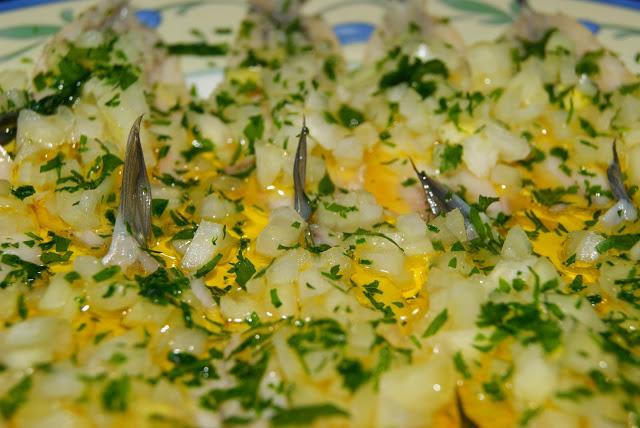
(621, 31)
(28, 31)
(485, 12)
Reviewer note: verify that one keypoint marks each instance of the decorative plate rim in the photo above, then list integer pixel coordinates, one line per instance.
(11, 5)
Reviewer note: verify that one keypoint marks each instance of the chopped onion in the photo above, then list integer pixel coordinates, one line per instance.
(202, 293)
(622, 211)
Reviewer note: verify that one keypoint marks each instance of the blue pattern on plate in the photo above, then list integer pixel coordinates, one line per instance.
(149, 17)
(353, 32)
(631, 4)
(591, 26)
(6, 5)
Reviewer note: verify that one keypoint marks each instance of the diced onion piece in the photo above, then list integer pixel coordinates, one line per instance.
(349, 211)
(524, 97)
(282, 232)
(5, 164)
(414, 234)
(86, 266)
(583, 244)
(622, 211)
(58, 298)
(61, 383)
(200, 290)
(312, 283)
(383, 256)
(215, 207)
(634, 252)
(511, 147)
(78, 209)
(490, 63)
(412, 393)
(236, 307)
(269, 163)
(349, 151)
(517, 244)
(39, 132)
(285, 268)
(534, 379)
(479, 155)
(454, 221)
(209, 240)
(111, 296)
(35, 341)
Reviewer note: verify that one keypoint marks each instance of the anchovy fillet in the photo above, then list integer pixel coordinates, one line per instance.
(614, 174)
(441, 200)
(301, 201)
(436, 204)
(135, 193)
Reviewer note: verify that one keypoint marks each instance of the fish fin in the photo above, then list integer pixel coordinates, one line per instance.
(614, 175)
(300, 200)
(135, 193)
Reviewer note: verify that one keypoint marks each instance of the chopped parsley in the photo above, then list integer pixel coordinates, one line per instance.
(437, 323)
(248, 377)
(535, 48)
(102, 168)
(198, 49)
(588, 64)
(484, 202)
(317, 335)
(370, 291)
(275, 299)
(535, 156)
(75, 68)
(618, 242)
(254, 131)
(209, 266)
(23, 270)
(350, 117)
(587, 127)
(158, 206)
(353, 373)
(450, 157)
(412, 72)
(409, 182)
(553, 196)
(106, 273)
(329, 67)
(189, 369)
(526, 322)
(23, 192)
(55, 163)
(15, 397)
(461, 365)
(115, 396)
(326, 186)
(163, 286)
(560, 152)
(306, 415)
(333, 273)
(243, 269)
(493, 390)
(341, 210)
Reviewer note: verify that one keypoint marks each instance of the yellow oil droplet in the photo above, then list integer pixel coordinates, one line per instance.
(383, 182)
(419, 268)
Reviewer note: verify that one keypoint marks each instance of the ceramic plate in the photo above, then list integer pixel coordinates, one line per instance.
(26, 24)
